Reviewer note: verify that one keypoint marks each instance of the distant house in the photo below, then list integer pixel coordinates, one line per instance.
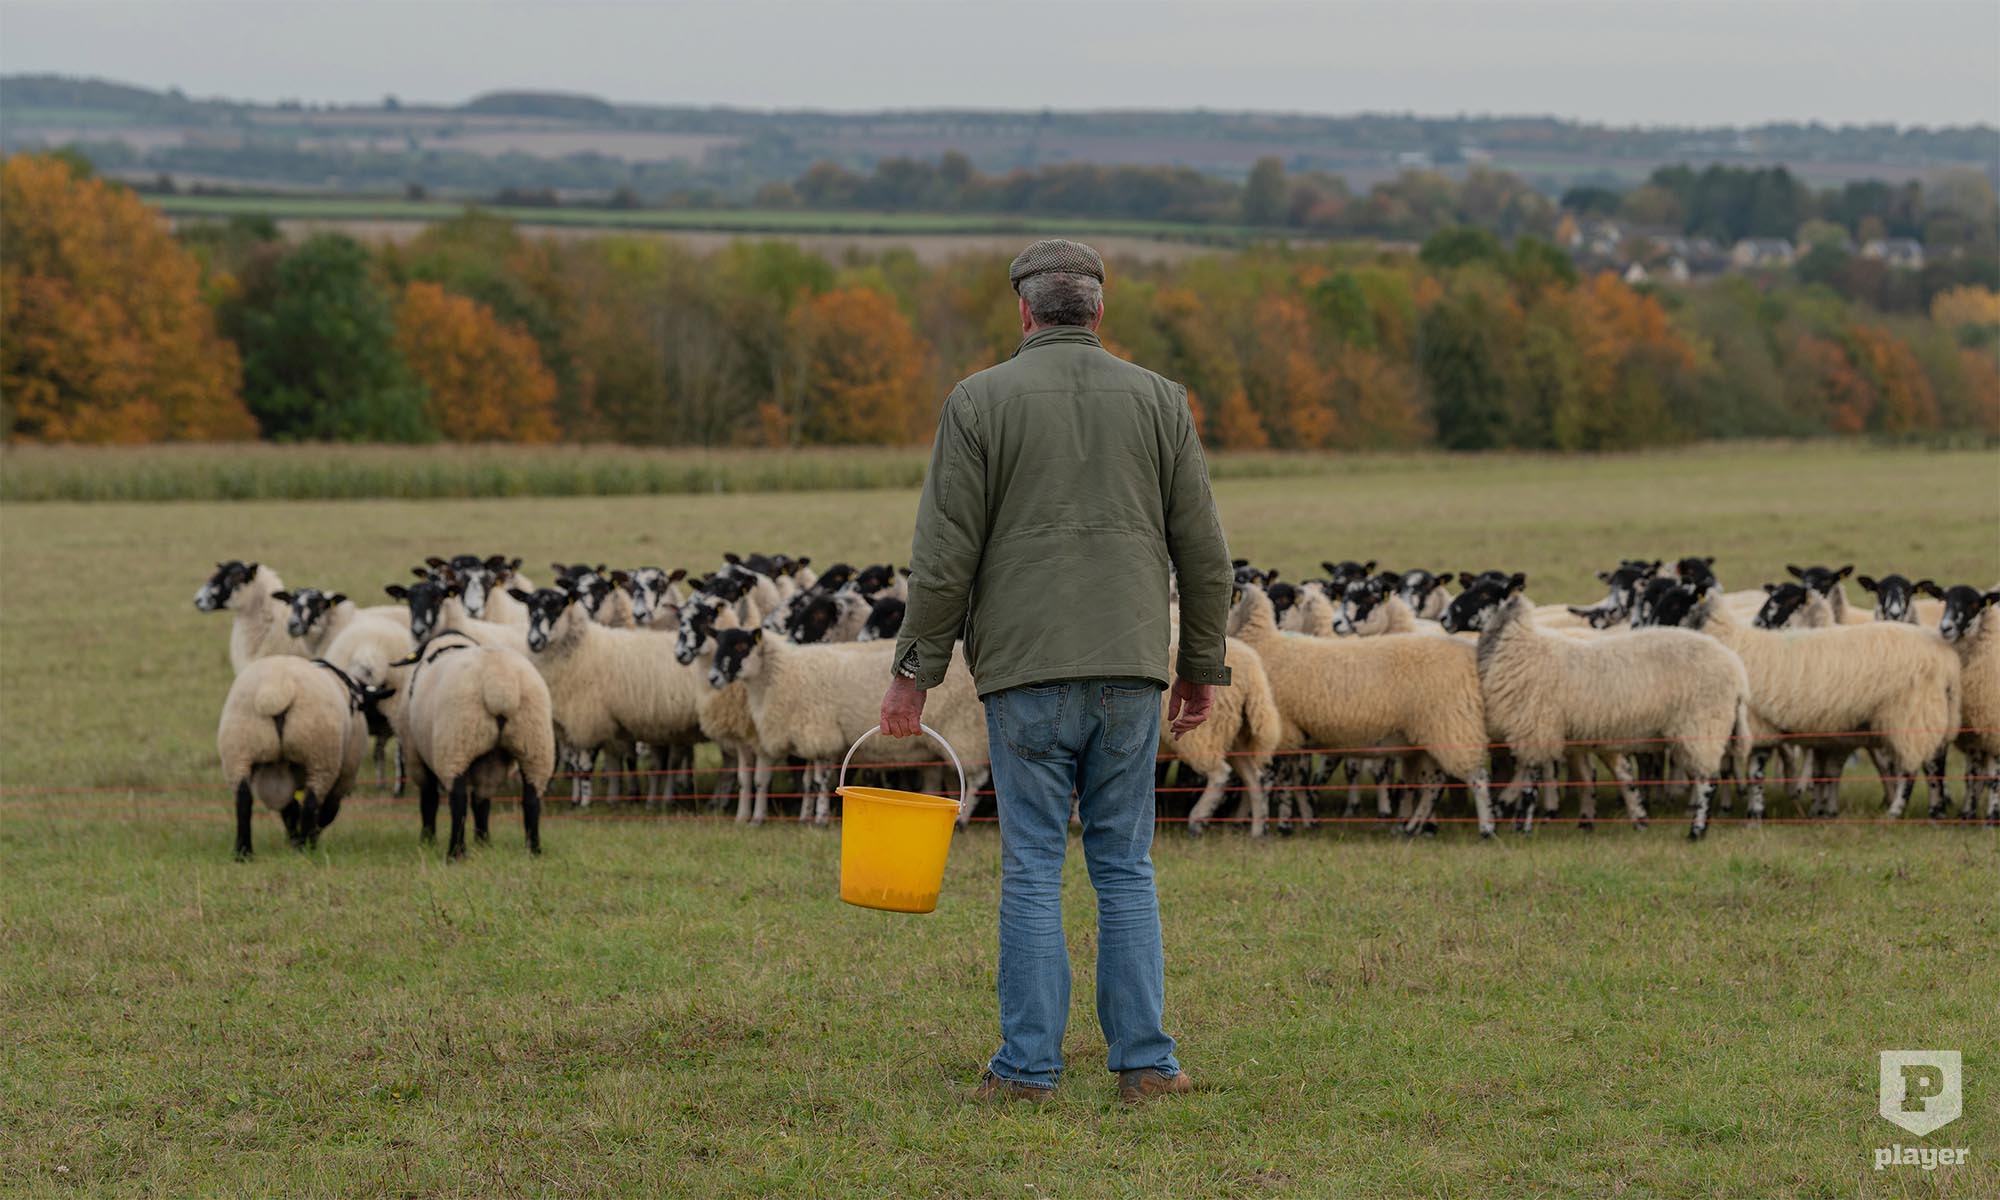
(1636, 273)
(1903, 253)
(1759, 253)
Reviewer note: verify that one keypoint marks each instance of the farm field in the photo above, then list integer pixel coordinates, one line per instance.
(742, 220)
(674, 1006)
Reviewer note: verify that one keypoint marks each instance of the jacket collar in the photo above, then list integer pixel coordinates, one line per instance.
(1055, 334)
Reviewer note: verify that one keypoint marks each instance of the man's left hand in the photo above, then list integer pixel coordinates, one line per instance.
(902, 708)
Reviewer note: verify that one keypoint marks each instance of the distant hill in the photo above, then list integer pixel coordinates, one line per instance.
(577, 144)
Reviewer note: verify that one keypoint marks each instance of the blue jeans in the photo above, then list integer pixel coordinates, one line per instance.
(1096, 738)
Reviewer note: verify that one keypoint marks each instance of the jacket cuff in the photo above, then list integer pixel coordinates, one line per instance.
(911, 667)
(1193, 673)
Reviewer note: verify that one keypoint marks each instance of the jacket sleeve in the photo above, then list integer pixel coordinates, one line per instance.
(950, 538)
(1201, 564)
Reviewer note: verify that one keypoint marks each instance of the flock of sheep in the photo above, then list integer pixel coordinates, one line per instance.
(486, 683)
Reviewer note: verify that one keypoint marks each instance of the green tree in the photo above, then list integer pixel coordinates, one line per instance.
(319, 353)
(1461, 365)
(1459, 245)
(1264, 196)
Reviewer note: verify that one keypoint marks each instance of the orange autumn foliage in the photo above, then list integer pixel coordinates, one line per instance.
(107, 337)
(485, 381)
(862, 367)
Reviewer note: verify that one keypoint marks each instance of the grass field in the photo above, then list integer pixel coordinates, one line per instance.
(676, 1007)
(743, 220)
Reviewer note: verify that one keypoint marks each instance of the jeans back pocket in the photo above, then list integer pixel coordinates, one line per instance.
(1131, 714)
(1031, 718)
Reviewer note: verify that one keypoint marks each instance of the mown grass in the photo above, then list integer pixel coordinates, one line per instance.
(670, 1007)
(743, 220)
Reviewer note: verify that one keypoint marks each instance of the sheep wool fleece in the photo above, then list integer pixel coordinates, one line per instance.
(1063, 485)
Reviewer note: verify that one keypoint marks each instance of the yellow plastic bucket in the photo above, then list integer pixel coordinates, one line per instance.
(893, 844)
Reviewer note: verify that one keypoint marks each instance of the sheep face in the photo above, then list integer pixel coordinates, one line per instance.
(885, 620)
(1963, 607)
(546, 607)
(697, 627)
(1646, 608)
(1475, 607)
(426, 599)
(1358, 602)
(1895, 596)
(228, 579)
(1820, 579)
(1782, 602)
(736, 657)
(1341, 574)
(1415, 587)
(1284, 597)
(649, 595)
(835, 577)
(1622, 590)
(812, 621)
(1695, 572)
(306, 608)
(870, 581)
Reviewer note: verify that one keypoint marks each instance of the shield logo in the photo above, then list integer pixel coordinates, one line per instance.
(1922, 1090)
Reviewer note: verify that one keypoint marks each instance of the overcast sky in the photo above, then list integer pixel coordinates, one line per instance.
(1617, 61)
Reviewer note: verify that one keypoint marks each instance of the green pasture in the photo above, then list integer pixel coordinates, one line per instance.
(664, 1005)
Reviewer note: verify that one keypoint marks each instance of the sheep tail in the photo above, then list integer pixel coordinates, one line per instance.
(274, 696)
(1261, 717)
(501, 693)
(1741, 746)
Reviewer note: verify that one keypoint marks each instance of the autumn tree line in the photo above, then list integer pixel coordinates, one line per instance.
(117, 330)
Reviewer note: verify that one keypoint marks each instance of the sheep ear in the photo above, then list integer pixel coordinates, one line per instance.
(282, 597)
(1238, 563)
(1844, 572)
(1465, 578)
(731, 558)
(1927, 587)
(1867, 583)
(1328, 567)
(250, 568)
(678, 574)
(520, 595)
(757, 635)
(435, 561)
(1794, 572)
(1604, 577)
(1769, 588)
(621, 578)
(1367, 566)
(1516, 582)
(803, 560)
(420, 573)
(398, 591)
(1990, 598)
(337, 598)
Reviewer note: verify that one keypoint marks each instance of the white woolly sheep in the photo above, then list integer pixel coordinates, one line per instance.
(291, 736)
(258, 631)
(816, 701)
(1242, 732)
(1969, 624)
(1820, 687)
(724, 713)
(474, 717)
(370, 651)
(1418, 692)
(1643, 691)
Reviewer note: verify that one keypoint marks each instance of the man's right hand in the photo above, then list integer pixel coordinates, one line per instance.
(1188, 705)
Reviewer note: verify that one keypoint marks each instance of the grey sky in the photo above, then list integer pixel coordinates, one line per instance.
(1629, 61)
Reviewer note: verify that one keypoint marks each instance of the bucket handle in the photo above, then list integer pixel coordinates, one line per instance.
(935, 736)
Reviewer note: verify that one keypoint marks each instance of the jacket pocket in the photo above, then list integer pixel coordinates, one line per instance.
(1031, 718)
(1131, 714)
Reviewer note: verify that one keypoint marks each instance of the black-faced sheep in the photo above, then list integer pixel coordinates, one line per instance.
(249, 590)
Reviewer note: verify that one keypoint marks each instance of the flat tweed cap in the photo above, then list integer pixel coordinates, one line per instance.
(1056, 254)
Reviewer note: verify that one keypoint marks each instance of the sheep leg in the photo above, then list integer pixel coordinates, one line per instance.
(1934, 781)
(1352, 769)
(329, 808)
(762, 811)
(1992, 782)
(1703, 792)
(456, 848)
(1586, 802)
(1423, 803)
(1209, 801)
(581, 764)
(1384, 806)
(821, 799)
(402, 769)
(1253, 789)
(531, 816)
(1511, 794)
(1626, 769)
(1549, 771)
(1900, 786)
(381, 763)
(1754, 786)
(427, 806)
(309, 821)
(245, 805)
(482, 816)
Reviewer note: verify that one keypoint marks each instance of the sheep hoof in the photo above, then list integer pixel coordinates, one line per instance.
(1484, 834)
(1694, 835)
(1430, 829)
(1194, 830)
(1586, 825)
(1638, 822)
(243, 854)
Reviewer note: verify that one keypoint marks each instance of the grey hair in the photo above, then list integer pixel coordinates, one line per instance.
(1062, 298)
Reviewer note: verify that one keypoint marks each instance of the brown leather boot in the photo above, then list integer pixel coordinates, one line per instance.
(994, 1090)
(1136, 1087)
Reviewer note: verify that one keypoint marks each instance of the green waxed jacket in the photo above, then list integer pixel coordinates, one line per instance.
(1063, 484)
